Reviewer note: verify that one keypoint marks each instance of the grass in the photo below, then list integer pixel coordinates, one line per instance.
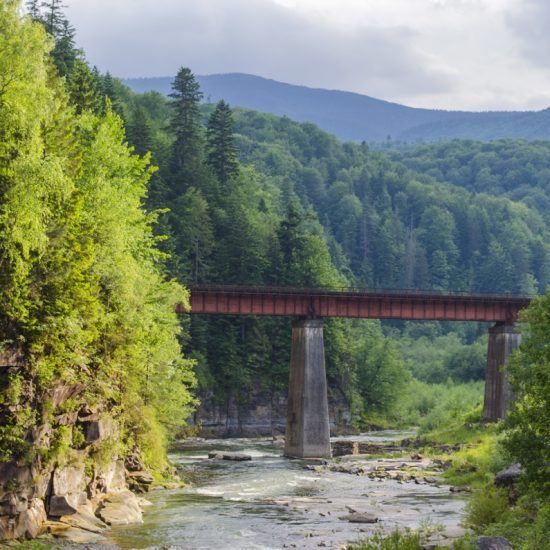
(408, 540)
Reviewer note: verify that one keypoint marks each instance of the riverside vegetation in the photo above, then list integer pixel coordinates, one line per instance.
(97, 245)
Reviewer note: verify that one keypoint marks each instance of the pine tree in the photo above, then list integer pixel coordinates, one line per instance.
(53, 17)
(65, 52)
(140, 134)
(187, 153)
(222, 152)
(84, 88)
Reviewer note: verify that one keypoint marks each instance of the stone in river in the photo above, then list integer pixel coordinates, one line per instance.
(360, 517)
(239, 457)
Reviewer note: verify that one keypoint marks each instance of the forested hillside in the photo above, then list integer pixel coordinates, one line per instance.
(356, 117)
(258, 199)
(516, 169)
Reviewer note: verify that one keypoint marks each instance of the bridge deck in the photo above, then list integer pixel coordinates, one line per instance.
(358, 303)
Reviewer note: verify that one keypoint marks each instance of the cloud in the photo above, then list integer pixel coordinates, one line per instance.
(137, 38)
(530, 23)
(454, 54)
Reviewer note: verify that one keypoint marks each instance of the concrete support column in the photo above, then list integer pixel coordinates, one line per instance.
(307, 424)
(503, 339)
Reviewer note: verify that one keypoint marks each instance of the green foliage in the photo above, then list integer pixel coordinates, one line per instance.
(487, 507)
(222, 153)
(528, 424)
(302, 209)
(408, 540)
(83, 291)
(396, 540)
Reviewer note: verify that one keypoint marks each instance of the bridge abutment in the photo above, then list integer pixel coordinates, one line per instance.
(307, 425)
(503, 339)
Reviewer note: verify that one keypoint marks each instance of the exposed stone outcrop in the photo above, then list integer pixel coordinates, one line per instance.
(65, 494)
(121, 508)
(263, 415)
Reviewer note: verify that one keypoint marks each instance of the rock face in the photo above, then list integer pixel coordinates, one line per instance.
(62, 495)
(265, 415)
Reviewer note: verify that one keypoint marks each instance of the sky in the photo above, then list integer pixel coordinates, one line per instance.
(448, 54)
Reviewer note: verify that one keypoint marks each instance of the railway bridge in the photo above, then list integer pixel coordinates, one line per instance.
(307, 430)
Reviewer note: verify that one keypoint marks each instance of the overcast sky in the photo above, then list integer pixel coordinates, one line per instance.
(452, 54)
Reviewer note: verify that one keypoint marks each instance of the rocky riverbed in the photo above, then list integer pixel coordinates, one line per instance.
(269, 502)
(245, 495)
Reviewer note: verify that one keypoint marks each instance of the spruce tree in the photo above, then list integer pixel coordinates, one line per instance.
(187, 153)
(222, 153)
(84, 88)
(140, 134)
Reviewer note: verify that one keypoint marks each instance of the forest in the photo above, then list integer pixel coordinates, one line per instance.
(112, 202)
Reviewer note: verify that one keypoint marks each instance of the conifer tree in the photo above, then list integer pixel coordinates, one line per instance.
(222, 152)
(187, 153)
(84, 88)
(140, 134)
(65, 53)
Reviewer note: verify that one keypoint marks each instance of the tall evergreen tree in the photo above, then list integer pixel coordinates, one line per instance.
(84, 88)
(187, 154)
(222, 152)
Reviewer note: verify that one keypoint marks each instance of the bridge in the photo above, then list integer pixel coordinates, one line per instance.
(307, 432)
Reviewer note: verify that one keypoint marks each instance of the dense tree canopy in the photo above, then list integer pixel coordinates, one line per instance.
(82, 295)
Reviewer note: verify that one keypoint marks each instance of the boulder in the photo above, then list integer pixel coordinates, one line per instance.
(84, 518)
(239, 457)
(64, 392)
(66, 505)
(360, 517)
(120, 508)
(508, 476)
(493, 543)
(11, 356)
(97, 428)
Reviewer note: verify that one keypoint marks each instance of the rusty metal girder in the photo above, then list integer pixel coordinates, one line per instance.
(355, 303)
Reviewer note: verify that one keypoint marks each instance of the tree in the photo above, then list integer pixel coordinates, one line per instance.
(82, 292)
(84, 88)
(187, 152)
(140, 134)
(528, 424)
(222, 153)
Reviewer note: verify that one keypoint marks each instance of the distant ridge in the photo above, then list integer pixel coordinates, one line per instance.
(356, 117)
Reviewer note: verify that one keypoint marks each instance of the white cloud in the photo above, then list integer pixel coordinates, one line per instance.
(457, 54)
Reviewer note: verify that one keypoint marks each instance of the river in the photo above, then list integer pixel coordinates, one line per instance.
(271, 502)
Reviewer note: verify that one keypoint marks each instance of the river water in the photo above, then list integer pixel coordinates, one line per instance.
(272, 502)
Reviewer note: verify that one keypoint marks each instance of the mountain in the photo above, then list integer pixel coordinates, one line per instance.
(356, 117)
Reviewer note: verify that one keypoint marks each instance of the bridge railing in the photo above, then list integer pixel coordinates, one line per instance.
(357, 291)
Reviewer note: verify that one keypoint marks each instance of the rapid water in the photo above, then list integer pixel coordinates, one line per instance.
(271, 502)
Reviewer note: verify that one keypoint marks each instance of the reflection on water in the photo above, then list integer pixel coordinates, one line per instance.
(273, 503)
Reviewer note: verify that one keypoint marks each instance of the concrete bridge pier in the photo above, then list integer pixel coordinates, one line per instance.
(503, 339)
(307, 424)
